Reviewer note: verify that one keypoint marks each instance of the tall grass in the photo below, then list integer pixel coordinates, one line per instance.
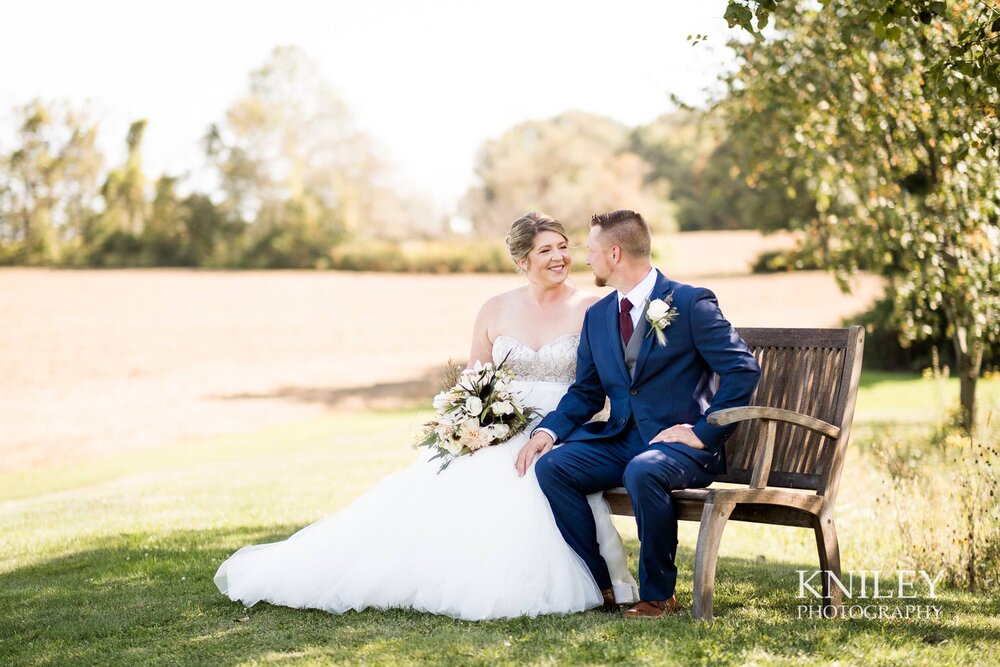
(943, 490)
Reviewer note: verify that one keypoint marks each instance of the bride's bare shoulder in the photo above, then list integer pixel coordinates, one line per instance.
(498, 303)
(584, 299)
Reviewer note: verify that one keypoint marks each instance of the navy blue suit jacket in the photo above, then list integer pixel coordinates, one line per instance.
(672, 385)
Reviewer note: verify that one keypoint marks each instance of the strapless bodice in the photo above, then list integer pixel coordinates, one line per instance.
(553, 362)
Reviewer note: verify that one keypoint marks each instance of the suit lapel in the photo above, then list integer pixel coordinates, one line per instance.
(615, 337)
(660, 291)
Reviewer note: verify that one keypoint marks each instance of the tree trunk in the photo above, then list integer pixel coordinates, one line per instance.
(967, 393)
(969, 358)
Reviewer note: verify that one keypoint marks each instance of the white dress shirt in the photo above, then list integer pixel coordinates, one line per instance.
(637, 297)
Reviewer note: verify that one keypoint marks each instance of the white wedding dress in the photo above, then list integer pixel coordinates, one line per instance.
(473, 542)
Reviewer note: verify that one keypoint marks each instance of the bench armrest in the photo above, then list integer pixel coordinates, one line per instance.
(733, 415)
(764, 451)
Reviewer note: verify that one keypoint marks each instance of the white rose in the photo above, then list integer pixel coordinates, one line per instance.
(503, 408)
(454, 447)
(658, 308)
(499, 431)
(473, 405)
(442, 401)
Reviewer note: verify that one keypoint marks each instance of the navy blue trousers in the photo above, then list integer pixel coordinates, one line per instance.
(567, 474)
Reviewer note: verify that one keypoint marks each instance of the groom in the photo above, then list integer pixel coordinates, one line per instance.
(661, 388)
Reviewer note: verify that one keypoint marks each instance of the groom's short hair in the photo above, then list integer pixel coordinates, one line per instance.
(627, 230)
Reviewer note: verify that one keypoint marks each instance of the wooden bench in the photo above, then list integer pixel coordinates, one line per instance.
(787, 452)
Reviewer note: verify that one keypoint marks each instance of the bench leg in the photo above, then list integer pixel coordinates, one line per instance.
(829, 560)
(713, 521)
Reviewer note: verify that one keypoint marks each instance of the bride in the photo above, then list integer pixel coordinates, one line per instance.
(475, 541)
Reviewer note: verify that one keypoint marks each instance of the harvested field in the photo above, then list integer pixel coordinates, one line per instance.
(98, 362)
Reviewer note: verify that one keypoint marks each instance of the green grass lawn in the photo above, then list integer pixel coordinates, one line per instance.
(111, 562)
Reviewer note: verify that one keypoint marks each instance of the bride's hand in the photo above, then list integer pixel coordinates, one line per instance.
(539, 444)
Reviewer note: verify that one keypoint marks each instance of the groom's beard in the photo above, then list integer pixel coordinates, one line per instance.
(600, 282)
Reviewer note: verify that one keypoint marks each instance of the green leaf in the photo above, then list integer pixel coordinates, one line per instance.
(429, 440)
(737, 14)
(762, 18)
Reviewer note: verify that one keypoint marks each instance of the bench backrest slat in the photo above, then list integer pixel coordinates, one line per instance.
(811, 371)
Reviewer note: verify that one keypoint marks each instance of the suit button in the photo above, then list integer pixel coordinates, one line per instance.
(621, 421)
(635, 392)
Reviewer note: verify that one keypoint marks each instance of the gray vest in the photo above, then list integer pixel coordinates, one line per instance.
(635, 342)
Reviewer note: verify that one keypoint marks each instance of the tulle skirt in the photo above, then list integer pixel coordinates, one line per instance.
(475, 541)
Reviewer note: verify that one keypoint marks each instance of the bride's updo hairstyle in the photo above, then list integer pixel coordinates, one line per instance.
(523, 231)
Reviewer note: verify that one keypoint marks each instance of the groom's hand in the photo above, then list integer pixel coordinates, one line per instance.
(682, 433)
(539, 444)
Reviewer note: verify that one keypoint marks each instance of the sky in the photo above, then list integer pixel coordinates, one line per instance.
(429, 80)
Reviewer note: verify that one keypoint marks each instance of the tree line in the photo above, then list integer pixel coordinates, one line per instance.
(294, 176)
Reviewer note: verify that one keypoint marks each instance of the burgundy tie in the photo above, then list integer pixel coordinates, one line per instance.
(625, 320)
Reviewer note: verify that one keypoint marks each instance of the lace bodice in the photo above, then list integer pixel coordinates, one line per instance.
(553, 362)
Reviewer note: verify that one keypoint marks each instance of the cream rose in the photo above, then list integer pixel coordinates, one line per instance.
(474, 438)
(658, 309)
(499, 431)
(473, 406)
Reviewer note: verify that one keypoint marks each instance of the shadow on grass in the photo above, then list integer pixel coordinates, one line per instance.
(417, 390)
(149, 598)
(406, 394)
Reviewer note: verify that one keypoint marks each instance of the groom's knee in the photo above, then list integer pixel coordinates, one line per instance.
(656, 468)
(639, 474)
(547, 471)
(649, 469)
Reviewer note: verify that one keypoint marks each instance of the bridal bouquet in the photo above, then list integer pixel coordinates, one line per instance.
(478, 411)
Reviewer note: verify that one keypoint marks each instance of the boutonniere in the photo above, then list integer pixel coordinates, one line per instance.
(660, 314)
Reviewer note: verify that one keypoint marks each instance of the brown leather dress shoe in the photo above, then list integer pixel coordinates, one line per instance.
(654, 608)
(609, 606)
